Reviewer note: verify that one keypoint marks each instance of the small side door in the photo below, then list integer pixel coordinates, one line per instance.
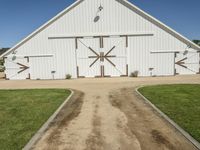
(17, 68)
(187, 63)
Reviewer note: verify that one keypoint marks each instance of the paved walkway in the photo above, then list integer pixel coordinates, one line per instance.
(112, 116)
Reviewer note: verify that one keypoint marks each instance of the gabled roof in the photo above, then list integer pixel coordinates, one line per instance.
(123, 2)
(3, 50)
(159, 24)
(42, 27)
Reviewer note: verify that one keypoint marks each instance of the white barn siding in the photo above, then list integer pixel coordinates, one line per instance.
(141, 59)
(41, 67)
(139, 55)
(64, 57)
(163, 64)
(115, 19)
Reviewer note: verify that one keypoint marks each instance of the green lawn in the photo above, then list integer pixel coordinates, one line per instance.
(23, 112)
(180, 102)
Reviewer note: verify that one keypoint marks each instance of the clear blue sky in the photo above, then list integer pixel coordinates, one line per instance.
(18, 18)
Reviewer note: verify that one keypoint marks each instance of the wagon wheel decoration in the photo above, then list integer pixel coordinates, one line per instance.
(102, 56)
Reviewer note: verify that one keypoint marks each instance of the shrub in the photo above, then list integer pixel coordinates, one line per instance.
(1, 62)
(68, 76)
(134, 74)
(2, 68)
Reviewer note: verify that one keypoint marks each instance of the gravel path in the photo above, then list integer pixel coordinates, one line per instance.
(108, 115)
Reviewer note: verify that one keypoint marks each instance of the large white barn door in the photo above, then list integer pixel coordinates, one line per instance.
(114, 62)
(87, 51)
(102, 56)
(187, 63)
(17, 68)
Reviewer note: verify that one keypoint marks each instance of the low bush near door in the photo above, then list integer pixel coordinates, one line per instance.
(134, 74)
(23, 112)
(180, 102)
(68, 76)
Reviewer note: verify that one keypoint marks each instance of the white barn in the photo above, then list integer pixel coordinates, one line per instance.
(102, 38)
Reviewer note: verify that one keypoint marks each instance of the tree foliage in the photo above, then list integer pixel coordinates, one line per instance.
(1, 62)
(197, 42)
(2, 68)
(3, 50)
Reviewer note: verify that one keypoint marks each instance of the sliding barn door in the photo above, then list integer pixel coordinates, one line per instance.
(17, 68)
(114, 61)
(102, 56)
(187, 63)
(88, 62)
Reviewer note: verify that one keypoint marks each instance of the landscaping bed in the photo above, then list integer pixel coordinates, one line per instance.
(179, 102)
(23, 112)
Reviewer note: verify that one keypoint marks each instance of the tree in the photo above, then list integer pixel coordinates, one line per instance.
(3, 50)
(197, 42)
(1, 62)
(2, 68)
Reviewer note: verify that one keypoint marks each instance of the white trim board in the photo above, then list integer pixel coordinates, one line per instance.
(42, 55)
(101, 34)
(173, 51)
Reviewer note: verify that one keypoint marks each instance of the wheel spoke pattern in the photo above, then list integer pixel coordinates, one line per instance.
(102, 56)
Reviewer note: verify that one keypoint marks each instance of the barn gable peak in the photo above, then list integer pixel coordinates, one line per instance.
(125, 3)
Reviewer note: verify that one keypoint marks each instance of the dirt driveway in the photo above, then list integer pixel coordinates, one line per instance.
(108, 115)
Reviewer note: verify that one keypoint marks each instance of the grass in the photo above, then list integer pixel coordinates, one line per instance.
(180, 102)
(23, 112)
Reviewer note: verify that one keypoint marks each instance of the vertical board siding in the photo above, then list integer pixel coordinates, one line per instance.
(65, 57)
(41, 67)
(83, 61)
(114, 18)
(139, 55)
(120, 61)
(162, 64)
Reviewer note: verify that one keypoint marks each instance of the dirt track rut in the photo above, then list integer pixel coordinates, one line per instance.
(108, 116)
